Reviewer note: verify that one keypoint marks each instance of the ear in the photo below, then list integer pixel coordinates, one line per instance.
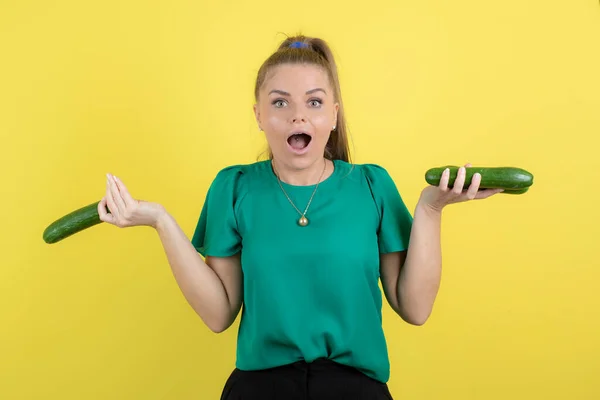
(257, 116)
(336, 108)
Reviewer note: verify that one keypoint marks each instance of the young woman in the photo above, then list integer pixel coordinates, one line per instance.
(301, 240)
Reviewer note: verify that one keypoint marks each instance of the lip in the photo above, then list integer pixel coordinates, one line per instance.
(299, 151)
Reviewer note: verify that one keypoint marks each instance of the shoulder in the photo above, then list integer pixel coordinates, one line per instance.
(375, 173)
(376, 176)
(235, 171)
(395, 218)
(378, 181)
(237, 180)
(237, 177)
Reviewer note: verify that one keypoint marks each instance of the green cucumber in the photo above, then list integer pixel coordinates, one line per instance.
(515, 191)
(74, 222)
(508, 178)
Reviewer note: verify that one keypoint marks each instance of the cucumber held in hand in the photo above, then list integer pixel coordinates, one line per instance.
(74, 222)
(515, 191)
(513, 180)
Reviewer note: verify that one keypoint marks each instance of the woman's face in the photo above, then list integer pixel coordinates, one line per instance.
(297, 112)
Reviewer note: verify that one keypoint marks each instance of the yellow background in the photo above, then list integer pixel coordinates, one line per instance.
(160, 93)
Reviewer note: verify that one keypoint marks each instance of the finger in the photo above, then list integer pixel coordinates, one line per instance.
(110, 202)
(468, 165)
(127, 198)
(444, 180)
(460, 181)
(484, 194)
(116, 195)
(474, 186)
(104, 215)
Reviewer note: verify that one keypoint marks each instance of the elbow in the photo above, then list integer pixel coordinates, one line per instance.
(415, 309)
(416, 320)
(217, 327)
(416, 316)
(217, 319)
(216, 323)
(220, 325)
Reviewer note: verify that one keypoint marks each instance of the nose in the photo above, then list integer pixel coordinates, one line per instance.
(298, 116)
(298, 119)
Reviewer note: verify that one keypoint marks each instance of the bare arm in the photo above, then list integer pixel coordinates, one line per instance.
(213, 288)
(411, 280)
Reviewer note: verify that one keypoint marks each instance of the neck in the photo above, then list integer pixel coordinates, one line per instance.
(302, 177)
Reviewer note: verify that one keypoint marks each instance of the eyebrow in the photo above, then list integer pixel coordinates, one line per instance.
(283, 93)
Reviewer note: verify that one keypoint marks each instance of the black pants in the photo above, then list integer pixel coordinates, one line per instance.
(319, 380)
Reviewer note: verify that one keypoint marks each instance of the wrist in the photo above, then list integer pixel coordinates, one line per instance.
(428, 209)
(162, 217)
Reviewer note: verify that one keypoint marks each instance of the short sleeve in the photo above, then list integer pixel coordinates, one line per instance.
(216, 232)
(395, 221)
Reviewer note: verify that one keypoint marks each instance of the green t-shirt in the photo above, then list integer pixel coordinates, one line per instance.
(309, 291)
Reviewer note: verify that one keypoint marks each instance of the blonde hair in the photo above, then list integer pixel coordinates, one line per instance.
(301, 49)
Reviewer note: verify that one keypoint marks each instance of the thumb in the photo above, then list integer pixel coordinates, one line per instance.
(103, 213)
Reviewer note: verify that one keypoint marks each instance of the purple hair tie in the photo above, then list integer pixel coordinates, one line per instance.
(299, 45)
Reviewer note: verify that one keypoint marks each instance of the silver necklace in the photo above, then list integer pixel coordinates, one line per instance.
(302, 221)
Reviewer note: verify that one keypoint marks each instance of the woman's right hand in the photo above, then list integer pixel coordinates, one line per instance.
(124, 210)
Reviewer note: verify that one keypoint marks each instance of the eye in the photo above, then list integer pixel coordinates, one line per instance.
(315, 102)
(278, 103)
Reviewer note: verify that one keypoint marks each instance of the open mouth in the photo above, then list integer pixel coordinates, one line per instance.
(299, 141)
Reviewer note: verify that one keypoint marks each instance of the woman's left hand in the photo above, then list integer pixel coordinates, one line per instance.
(437, 197)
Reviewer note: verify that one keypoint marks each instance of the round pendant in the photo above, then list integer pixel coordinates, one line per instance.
(303, 221)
